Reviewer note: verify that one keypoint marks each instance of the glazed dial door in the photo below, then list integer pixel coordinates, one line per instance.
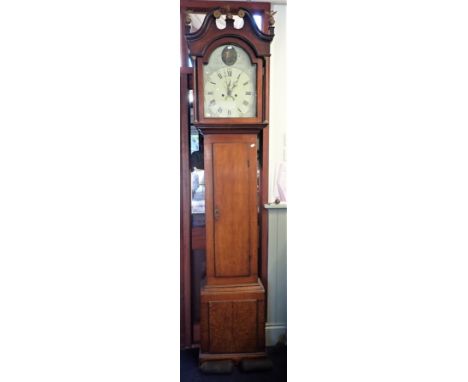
(230, 82)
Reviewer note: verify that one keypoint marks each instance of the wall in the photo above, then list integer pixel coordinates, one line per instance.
(277, 232)
(277, 296)
(277, 98)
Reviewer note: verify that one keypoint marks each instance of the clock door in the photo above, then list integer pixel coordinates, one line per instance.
(231, 210)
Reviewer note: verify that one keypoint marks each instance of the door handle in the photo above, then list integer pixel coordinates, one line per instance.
(216, 213)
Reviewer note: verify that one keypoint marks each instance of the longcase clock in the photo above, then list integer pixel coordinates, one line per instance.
(231, 69)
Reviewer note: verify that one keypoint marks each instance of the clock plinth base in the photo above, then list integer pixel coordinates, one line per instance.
(232, 322)
(235, 357)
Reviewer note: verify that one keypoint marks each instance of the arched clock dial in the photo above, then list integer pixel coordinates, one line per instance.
(229, 84)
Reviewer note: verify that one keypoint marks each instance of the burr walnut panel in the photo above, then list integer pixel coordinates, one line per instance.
(233, 319)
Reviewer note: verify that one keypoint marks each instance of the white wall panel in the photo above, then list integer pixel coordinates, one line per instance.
(278, 96)
(277, 231)
(277, 275)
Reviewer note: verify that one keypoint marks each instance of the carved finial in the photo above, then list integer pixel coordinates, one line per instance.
(188, 19)
(217, 14)
(271, 18)
(241, 13)
(228, 13)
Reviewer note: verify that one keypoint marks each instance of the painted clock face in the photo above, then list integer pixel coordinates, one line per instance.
(230, 82)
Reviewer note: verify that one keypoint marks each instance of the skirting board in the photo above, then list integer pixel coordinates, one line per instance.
(275, 333)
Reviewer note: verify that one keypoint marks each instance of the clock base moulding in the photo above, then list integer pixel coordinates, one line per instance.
(235, 357)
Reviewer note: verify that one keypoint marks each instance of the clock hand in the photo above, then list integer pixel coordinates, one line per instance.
(230, 86)
(235, 83)
(229, 90)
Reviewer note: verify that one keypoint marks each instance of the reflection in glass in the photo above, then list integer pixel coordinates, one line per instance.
(197, 173)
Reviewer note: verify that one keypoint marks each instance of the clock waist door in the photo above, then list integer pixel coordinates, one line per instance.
(231, 210)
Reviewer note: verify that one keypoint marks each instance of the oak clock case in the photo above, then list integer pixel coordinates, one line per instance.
(230, 91)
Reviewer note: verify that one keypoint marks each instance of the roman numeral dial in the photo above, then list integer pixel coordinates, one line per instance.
(229, 93)
(229, 85)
